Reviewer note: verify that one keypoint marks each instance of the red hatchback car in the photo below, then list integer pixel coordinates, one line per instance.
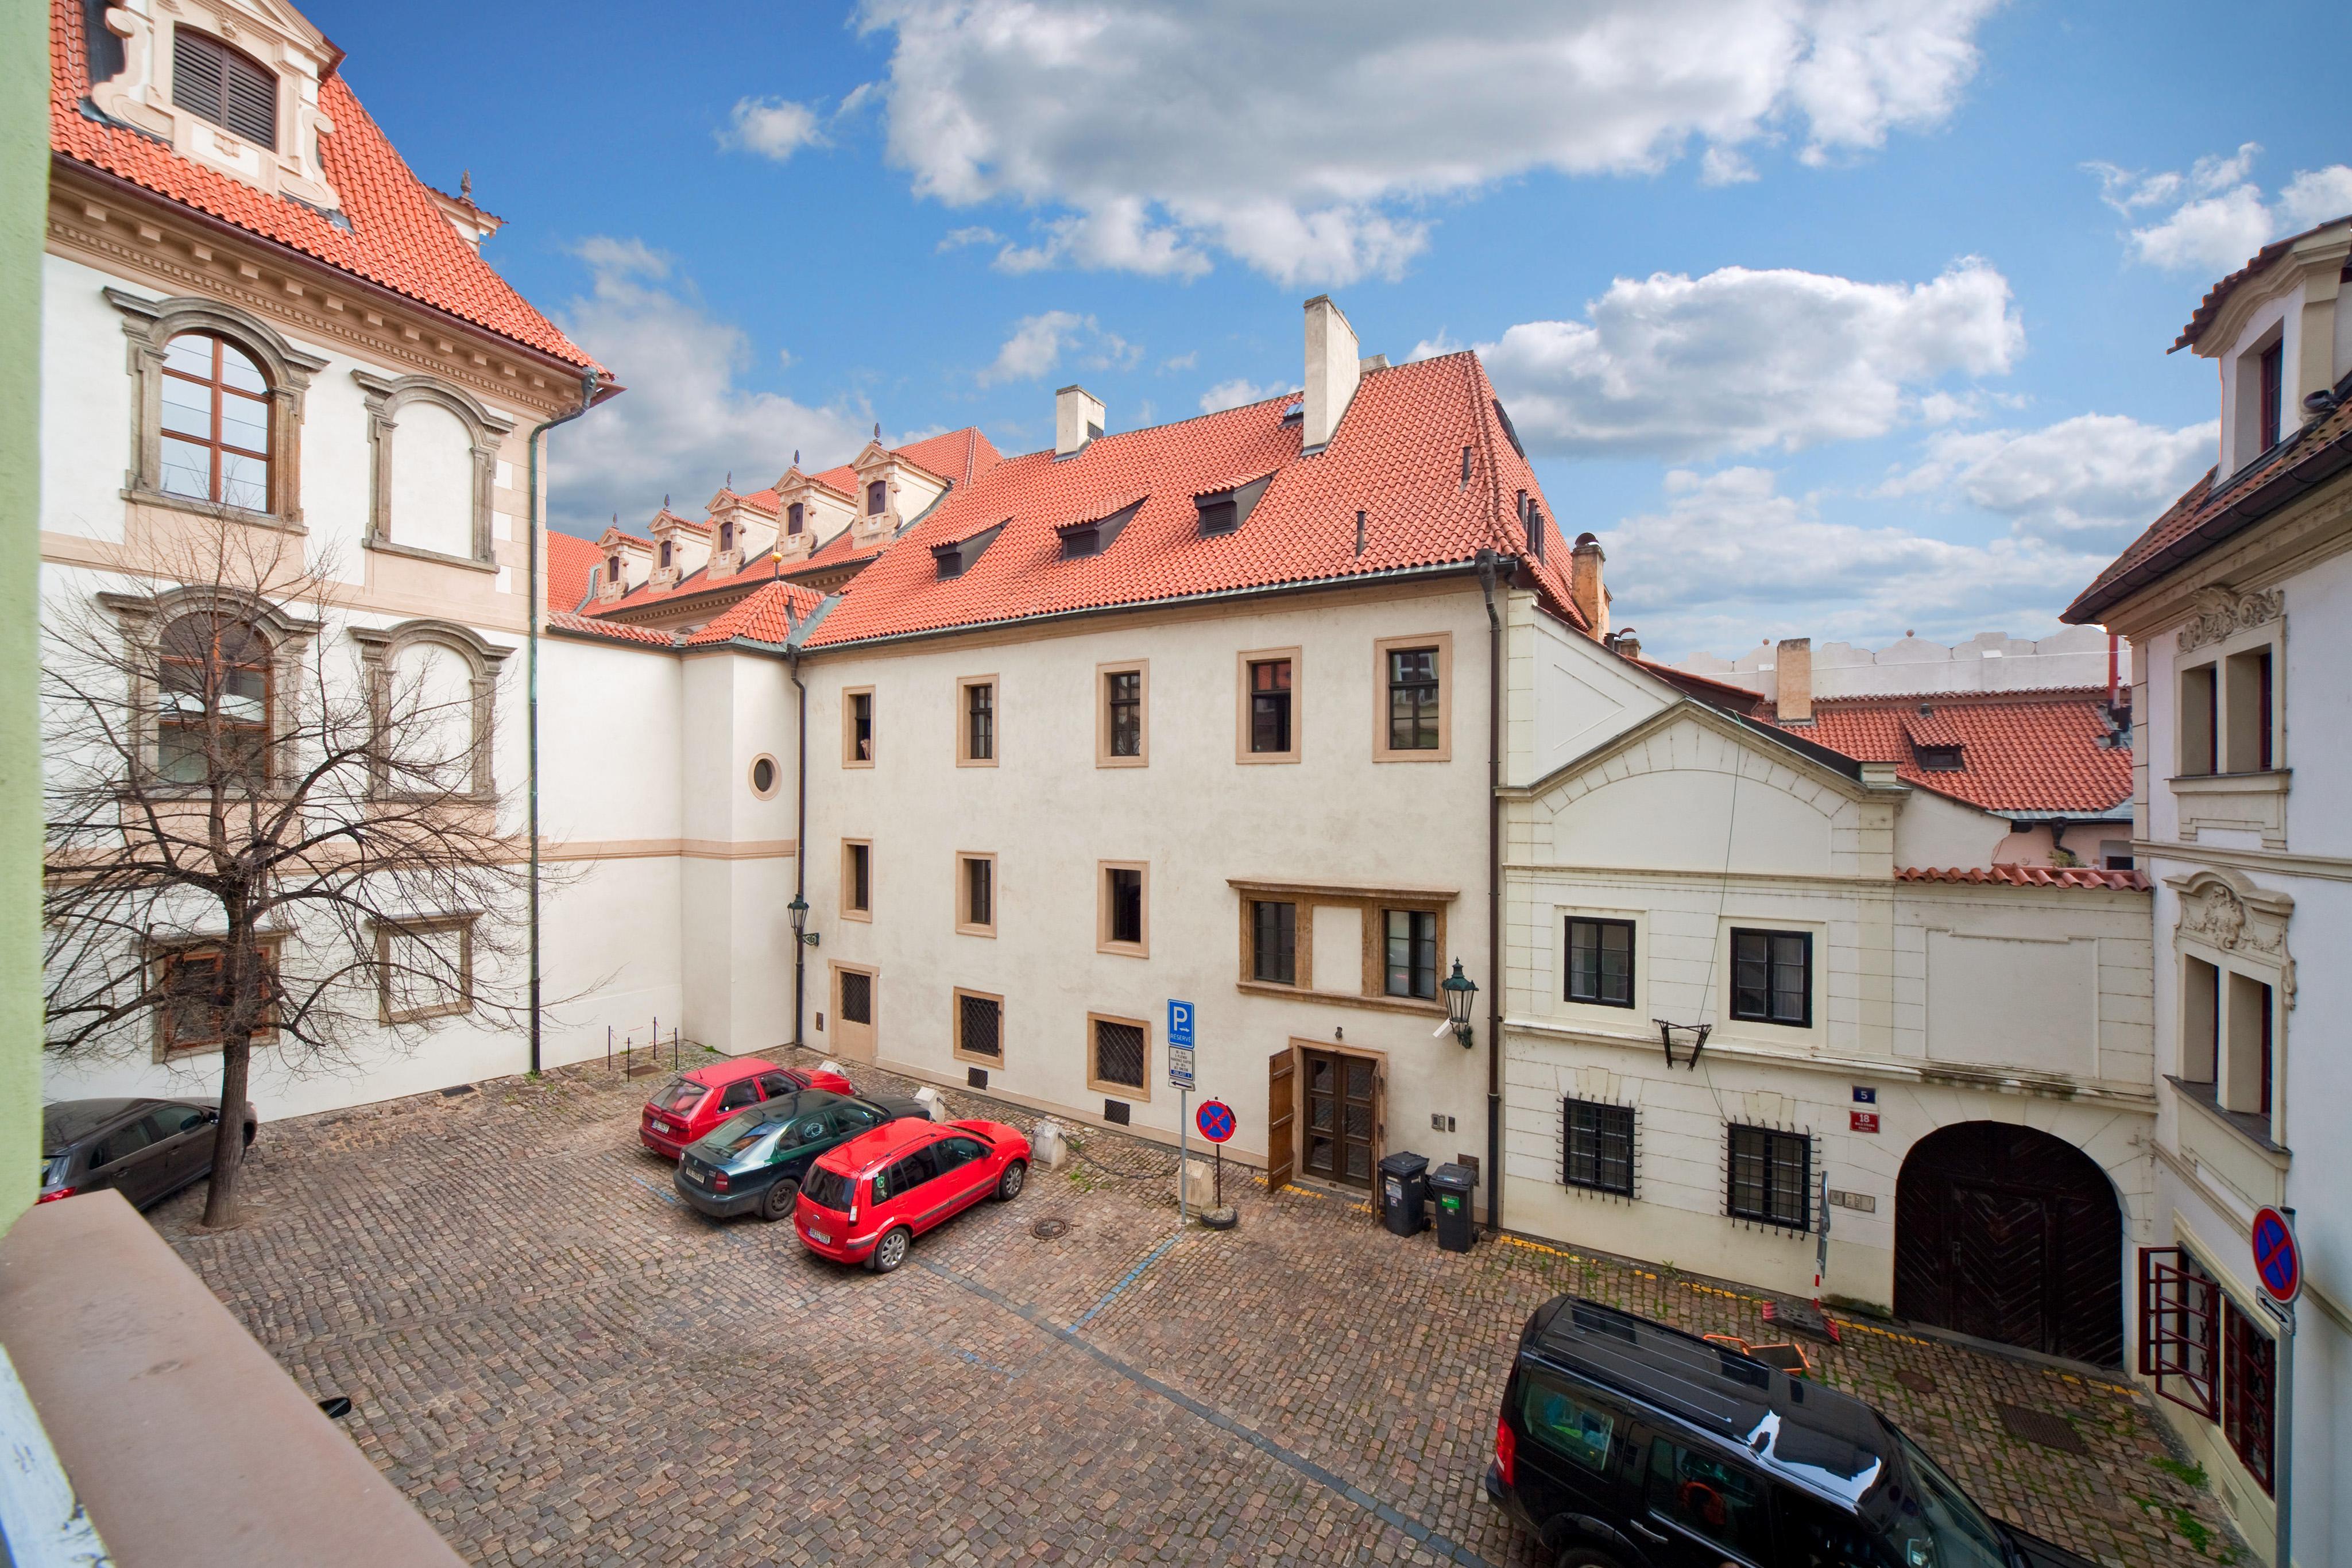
(866, 1201)
(689, 1106)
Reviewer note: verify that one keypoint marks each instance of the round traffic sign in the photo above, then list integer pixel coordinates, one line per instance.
(1215, 1120)
(2277, 1260)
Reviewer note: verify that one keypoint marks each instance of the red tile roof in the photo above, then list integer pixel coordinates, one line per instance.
(572, 563)
(1397, 456)
(2219, 295)
(962, 455)
(769, 613)
(397, 237)
(589, 626)
(2031, 876)
(2021, 751)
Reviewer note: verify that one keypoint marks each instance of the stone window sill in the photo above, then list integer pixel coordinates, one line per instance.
(2273, 782)
(2252, 1130)
(290, 522)
(1411, 1006)
(436, 557)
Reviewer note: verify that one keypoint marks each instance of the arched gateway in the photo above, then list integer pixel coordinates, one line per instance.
(2012, 1235)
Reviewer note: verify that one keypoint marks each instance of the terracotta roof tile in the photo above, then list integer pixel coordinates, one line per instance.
(1397, 456)
(2031, 876)
(2021, 751)
(769, 614)
(397, 237)
(2219, 295)
(572, 563)
(588, 625)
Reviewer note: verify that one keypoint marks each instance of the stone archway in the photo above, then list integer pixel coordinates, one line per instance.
(2008, 1234)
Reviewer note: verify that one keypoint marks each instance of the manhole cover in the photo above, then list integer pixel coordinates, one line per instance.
(1917, 1382)
(2041, 1426)
(1050, 1229)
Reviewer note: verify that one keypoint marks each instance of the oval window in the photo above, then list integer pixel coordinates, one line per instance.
(764, 776)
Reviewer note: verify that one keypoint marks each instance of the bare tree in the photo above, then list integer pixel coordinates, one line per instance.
(268, 822)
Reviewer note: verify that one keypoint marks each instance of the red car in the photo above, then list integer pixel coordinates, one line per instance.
(864, 1201)
(689, 1106)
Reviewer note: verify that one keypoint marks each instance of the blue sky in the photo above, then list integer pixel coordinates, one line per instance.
(1836, 320)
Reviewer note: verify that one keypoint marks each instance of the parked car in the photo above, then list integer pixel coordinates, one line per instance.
(754, 1161)
(1626, 1443)
(868, 1200)
(144, 1149)
(686, 1109)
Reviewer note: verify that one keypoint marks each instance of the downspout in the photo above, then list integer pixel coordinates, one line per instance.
(587, 401)
(1488, 563)
(800, 837)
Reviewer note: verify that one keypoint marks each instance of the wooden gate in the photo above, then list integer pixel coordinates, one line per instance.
(2011, 1234)
(1342, 1131)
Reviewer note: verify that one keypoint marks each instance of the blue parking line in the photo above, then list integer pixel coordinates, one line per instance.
(1112, 1294)
(668, 1197)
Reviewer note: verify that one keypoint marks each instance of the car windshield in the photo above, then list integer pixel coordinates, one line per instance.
(53, 1169)
(828, 1189)
(680, 1096)
(740, 1136)
(1935, 1524)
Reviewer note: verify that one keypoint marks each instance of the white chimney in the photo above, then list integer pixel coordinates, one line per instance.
(1078, 419)
(1332, 371)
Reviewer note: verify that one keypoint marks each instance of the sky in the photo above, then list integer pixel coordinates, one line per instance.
(1840, 318)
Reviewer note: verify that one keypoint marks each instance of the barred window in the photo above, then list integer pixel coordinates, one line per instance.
(856, 997)
(2248, 1383)
(1118, 1053)
(1597, 1146)
(979, 1025)
(1771, 1177)
(1273, 942)
(1600, 961)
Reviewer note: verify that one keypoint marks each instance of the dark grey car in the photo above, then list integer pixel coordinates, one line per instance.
(144, 1149)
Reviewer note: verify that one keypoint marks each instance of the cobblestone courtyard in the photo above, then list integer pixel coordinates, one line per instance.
(561, 1363)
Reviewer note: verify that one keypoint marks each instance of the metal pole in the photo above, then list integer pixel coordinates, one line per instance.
(1183, 1153)
(2283, 1435)
(608, 1048)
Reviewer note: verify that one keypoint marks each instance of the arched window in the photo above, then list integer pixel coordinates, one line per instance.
(665, 552)
(215, 423)
(726, 538)
(433, 687)
(214, 82)
(613, 570)
(877, 496)
(793, 518)
(213, 701)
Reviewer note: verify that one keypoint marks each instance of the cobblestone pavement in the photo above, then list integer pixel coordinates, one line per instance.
(561, 1363)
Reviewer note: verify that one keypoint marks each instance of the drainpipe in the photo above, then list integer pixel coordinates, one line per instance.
(1489, 564)
(587, 399)
(800, 838)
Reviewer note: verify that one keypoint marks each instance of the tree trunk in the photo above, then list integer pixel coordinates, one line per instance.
(228, 1137)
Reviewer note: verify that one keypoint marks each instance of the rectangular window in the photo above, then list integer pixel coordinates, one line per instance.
(2200, 1021)
(1410, 936)
(1773, 977)
(2246, 679)
(193, 1014)
(1771, 1177)
(424, 970)
(2249, 1379)
(1412, 699)
(1715, 1500)
(2179, 1332)
(976, 894)
(856, 997)
(1123, 716)
(980, 1027)
(1273, 942)
(2200, 721)
(856, 880)
(2245, 1087)
(1574, 1425)
(1600, 961)
(1267, 688)
(1597, 1146)
(857, 727)
(976, 732)
(1116, 1054)
(2273, 375)
(1124, 924)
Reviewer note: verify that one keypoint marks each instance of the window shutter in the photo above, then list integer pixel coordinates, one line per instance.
(196, 63)
(211, 80)
(250, 102)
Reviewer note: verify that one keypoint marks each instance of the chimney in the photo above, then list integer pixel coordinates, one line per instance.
(1078, 419)
(1584, 584)
(1332, 371)
(1792, 681)
(1629, 644)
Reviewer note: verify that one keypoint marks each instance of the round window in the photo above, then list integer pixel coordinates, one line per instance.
(763, 776)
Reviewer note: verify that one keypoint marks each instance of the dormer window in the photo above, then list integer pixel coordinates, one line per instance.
(665, 552)
(1223, 511)
(214, 82)
(792, 517)
(726, 538)
(613, 569)
(877, 497)
(2271, 376)
(1940, 759)
(955, 559)
(1081, 539)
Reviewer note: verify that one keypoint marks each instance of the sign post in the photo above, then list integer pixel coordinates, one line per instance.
(2278, 1264)
(1179, 1073)
(1216, 1121)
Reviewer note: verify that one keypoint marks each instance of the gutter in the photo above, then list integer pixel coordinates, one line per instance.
(1490, 565)
(536, 440)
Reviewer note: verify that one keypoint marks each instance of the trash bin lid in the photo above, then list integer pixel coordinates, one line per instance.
(1403, 1163)
(1452, 1177)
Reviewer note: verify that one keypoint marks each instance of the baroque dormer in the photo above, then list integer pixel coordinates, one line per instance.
(742, 527)
(231, 84)
(890, 491)
(627, 564)
(2281, 338)
(682, 545)
(809, 512)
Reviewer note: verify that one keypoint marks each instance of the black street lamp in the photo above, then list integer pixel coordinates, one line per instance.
(798, 908)
(1461, 992)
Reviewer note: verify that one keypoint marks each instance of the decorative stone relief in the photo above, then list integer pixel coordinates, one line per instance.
(2221, 612)
(2225, 910)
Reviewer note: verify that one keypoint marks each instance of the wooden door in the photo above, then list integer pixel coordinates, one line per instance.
(853, 1011)
(2011, 1234)
(1281, 1118)
(1341, 1096)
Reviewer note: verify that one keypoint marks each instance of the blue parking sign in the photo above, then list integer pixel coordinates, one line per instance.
(1180, 1022)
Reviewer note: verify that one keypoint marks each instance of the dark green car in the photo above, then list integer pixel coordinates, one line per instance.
(753, 1162)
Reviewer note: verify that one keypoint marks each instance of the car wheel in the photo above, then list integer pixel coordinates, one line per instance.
(1009, 1185)
(781, 1195)
(891, 1250)
(1585, 1557)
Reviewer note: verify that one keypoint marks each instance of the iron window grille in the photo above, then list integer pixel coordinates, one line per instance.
(980, 1026)
(856, 998)
(2250, 1376)
(1123, 690)
(1270, 706)
(1118, 1053)
(1597, 1146)
(214, 82)
(1769, 1179)
(1412, 952)
(1773, 977)
(1600, 961)
(1273, 942)
(1412, 699)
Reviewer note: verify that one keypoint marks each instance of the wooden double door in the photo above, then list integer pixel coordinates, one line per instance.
(2011, 1234)
(1324, 1116)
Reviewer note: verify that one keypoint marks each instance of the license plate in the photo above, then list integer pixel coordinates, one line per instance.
(816, 1235)
(695, 1176)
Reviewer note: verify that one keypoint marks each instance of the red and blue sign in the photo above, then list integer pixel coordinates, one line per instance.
(2278, 1262)
(1215, 1120)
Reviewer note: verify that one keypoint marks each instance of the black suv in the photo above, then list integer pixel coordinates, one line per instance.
(1626, 1443)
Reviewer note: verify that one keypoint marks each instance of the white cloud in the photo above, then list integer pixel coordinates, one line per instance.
(1730, 559)
(1038, 343)
(772, 126)
(1741, 361)
(684, 422)
(1183, 361)
(1301, 140)
(1235, 393)
(956, 239)
(2217, 216)
(2093, 480)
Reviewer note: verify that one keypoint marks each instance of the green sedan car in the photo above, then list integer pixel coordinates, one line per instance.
(752, 1163)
